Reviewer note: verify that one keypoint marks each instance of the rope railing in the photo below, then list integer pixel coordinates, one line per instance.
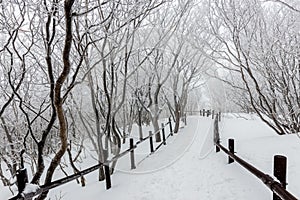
(278, 188)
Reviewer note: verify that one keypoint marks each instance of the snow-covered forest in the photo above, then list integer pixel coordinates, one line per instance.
(78, 78)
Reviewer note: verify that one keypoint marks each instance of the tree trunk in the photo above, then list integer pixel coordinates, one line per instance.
(140, 125)
(156, 129)
(124, 125)
(117, 144)
(101, 157)
(41, 143)
(177, 120)
(58, 101)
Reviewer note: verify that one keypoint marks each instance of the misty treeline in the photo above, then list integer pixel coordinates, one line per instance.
(85, 71)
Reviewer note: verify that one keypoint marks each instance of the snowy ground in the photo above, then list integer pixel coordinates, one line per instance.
(188, 167)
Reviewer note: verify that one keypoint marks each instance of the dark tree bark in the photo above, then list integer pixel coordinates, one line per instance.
(49, 40)
(58, 100)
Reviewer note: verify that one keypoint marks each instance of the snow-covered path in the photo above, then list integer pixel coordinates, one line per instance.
(186, 169)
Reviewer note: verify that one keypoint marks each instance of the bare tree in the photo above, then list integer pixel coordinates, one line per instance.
(263, 52)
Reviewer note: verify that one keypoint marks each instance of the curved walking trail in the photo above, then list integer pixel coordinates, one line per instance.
(187, 168)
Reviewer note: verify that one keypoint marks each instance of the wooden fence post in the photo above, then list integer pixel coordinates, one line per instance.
(107, 176)
(216, 133)
(22, 179)
(207, 113)
(217, 148)
(151, 142)
(203, 112)
(132, 154)
(170, 126)
(163, 133)
(231, 149)
(200, 112)
(219, 116)
(185, 122)
(280, 163)
(213, 114)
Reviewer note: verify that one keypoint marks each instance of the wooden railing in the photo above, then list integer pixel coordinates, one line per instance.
(22, 174)
(278, 188)
(205, 113)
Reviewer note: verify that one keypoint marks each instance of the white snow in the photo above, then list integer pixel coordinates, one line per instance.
(30, 188)
(188, 167)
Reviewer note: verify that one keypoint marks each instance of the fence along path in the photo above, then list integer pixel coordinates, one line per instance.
(277, 187)
(22, 178)
(169, 173)
(178, 154)
(186, 177)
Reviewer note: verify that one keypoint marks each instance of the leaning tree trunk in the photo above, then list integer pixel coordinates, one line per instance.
(58, 101)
